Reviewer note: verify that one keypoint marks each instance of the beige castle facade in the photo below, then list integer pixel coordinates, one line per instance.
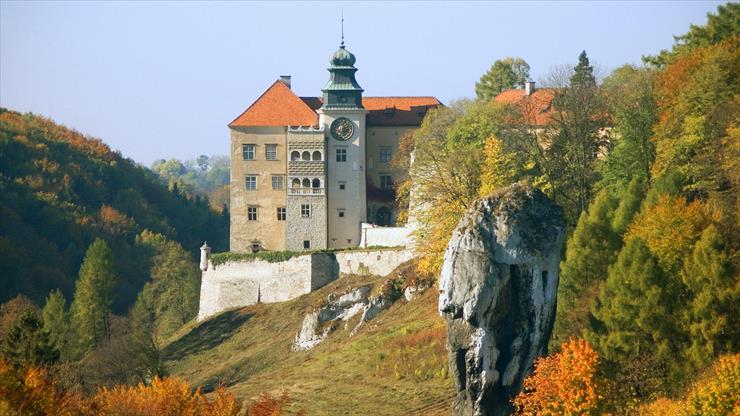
(307, 172)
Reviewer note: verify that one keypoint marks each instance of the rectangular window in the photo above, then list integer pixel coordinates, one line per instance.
(281, 214)
(306, 244)
(341, 155)
(271, 152)
(305, 210)
(386, 182)
(385, 154)
(248, 151)
(278, 181)
(251, 213)
(250, 181)
(341, 213)
(342, 185)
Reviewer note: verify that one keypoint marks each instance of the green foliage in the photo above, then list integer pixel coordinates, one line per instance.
(56, 321)
(723, 25)
(504, 74)
(204, 177)
(91, 308)
(59, 190)
(27, 343)
(268, 256)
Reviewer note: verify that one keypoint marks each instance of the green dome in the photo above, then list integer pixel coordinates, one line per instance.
(342, 57)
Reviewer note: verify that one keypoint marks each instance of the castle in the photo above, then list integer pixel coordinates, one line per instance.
(312, 173)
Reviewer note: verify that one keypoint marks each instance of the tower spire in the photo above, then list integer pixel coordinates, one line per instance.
(342, 44)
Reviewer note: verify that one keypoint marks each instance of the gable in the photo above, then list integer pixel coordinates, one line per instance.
(277, 106)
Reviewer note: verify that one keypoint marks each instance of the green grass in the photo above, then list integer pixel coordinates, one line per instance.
(395, 365)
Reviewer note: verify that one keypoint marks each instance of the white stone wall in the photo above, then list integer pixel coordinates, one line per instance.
(376, 262)
(373, 235)
(243, 283)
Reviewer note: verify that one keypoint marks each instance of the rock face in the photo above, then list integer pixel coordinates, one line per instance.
(497, 293)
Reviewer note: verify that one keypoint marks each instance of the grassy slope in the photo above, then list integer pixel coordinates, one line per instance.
(396, 364)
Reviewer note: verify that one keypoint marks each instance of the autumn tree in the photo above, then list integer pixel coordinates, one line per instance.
(503, 74)
(91, 308)
(564, 383)
(27, 343)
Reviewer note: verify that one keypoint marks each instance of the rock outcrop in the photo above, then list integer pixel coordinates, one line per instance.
(497, 293)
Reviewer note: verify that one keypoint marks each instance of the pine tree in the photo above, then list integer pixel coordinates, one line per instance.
(56, 322)
(504, 73)
(27, 343)
(90, 311)
(583, 73)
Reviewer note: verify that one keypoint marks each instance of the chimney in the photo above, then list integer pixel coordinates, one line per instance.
(528, 87)
(285, 79)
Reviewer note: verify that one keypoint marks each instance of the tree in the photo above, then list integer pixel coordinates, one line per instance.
(202, 162)
(27, 343)
(11, 310)
(56, 322)
(504, 73)
(564, 383)
(91, 308)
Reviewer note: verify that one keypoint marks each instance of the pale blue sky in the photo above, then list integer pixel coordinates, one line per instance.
(163, 79)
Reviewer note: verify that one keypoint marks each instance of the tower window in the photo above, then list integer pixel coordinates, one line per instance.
(251, 213)
(306, 244)
(341, 213)
(386, 182)
(385, 154)
(341, 155)
(305, 210)
(248, 151)
(278, 181)
(271, 151)
(281, 214)
(250, 182)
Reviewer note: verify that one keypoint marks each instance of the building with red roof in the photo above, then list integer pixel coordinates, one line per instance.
(306, 172)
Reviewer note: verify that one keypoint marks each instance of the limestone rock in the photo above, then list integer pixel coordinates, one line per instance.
(412, 292)
(497, 293)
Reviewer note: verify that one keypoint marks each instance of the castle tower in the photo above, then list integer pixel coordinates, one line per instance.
(343, 118)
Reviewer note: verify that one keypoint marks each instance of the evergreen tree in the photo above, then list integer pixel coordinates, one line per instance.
(583, 73)
(55, 318)
(712, 317)
(27, 343)
(91, 308)
(503, 74)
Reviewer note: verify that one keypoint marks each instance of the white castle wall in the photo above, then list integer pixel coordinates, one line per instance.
(237, 284)
(373, 235)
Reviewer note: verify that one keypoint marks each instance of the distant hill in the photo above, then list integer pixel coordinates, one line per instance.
(60, 189)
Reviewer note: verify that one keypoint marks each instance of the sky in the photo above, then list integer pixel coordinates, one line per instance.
(157, 80)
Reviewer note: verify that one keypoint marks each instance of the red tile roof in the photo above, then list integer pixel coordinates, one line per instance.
(278, 106)
(537, 107)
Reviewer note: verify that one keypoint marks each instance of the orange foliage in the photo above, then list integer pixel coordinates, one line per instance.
(268, 405)
(32, 392)
(562, 384)
(115, 222)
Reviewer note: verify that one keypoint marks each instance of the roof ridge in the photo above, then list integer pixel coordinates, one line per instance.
(264, 93)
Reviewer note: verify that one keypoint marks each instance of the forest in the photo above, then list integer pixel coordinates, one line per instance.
(98, 252)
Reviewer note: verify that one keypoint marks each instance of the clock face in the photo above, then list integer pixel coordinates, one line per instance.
(342, 128)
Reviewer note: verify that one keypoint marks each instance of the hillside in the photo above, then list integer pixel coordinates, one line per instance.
(59, 190)
(396, 364)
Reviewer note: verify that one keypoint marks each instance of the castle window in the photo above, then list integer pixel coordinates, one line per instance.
(306, 244)
(306, 183)
(251, 213)
(316, 155)
(342, 185)
(386, 182)
(296, 183)
(250, 182)
(271, 151)
(278, 181)
(295, 155)
(281, 214)
(385, 154)
(341, 155)
(306, 156)
(305, 210)
(341, 213)
(316, 183)
(248, 151)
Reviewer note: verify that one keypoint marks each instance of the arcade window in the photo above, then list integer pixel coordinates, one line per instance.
(341, 155)
(281, 214)
(248, 151)
(271, 152)
(251, 213)
(250, 182)
(305, 210)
